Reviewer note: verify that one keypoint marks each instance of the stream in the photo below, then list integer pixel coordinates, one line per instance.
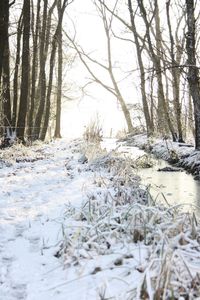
(173, 188)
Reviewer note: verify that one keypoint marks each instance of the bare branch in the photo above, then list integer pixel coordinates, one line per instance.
(80, 54)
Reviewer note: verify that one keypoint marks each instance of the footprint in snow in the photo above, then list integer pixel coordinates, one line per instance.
(6, 258)
(19, 291)
(34, 243)
(19, 230)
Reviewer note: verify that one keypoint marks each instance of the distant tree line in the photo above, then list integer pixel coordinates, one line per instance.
(165, 40)
(29, 84)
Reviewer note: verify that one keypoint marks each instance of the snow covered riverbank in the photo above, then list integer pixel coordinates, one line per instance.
(182, 155)
(75, 224)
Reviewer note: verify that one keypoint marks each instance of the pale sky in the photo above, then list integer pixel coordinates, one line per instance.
(90, 35)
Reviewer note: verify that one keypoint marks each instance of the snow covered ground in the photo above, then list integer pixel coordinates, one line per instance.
(72, 229)
(32, 204)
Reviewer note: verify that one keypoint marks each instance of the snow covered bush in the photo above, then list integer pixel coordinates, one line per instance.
(93, 131)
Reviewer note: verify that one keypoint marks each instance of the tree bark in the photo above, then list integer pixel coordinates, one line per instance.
(16, 72)
(149, 122)
(193, 72)
(175, 77)
(3, 30)
(21, 124)
(6, 86)
(190, 119)
(6, 69)
(48, 31)
(42, 76)
(57, 133)
(52, 62)
(162, 122)
(157, 65)
(34, 70)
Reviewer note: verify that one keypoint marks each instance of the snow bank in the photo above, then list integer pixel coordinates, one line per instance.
(182, 155)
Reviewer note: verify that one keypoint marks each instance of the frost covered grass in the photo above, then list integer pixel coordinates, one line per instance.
(183, 155)
(79, 220)
(162, 148)
(158, 245)
(20, 153)
(93, 131)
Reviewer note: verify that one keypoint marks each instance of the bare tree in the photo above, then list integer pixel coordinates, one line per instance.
(87, 60)
(16, 72)
(165, 57)
(193, 71)
(175, 71)
(55, 42)
(107, 27)
(42, 74)
(139, 49)
(23, 106)
(57, 133)
(34, 70)
(3, 30)
(6, 86)
(6, 71)
(157, 64)
(28, 111)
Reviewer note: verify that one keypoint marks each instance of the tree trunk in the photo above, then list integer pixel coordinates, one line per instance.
(3, 31)
(52, 61)
(6, 70)
(162, 122)
(25, 72)
(34, 70)
(157, 65)
(190, 120)
(175, 78)
(57, 133)
(16, 72)
(120, 98)
(42, 76)
(48, 30)
(193, 72)
(6, 86)
(149, 123)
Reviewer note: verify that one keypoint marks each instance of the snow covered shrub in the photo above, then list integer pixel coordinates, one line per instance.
(8, 139)
(144, 161)
(121, 134)
(92, 151)
(93, 131)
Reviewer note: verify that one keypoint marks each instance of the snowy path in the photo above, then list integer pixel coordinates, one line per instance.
(39, 201)
(32, 201)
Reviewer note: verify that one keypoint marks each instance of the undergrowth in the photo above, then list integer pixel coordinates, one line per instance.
(118, 214)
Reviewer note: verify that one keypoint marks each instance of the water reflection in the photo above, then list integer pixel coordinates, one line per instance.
(175, 187)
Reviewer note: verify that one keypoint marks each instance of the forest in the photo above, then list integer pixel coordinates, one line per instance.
(99, 149)
(163, 42)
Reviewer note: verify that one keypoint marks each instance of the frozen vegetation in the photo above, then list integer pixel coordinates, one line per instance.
(75, 224)
(180, 154)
